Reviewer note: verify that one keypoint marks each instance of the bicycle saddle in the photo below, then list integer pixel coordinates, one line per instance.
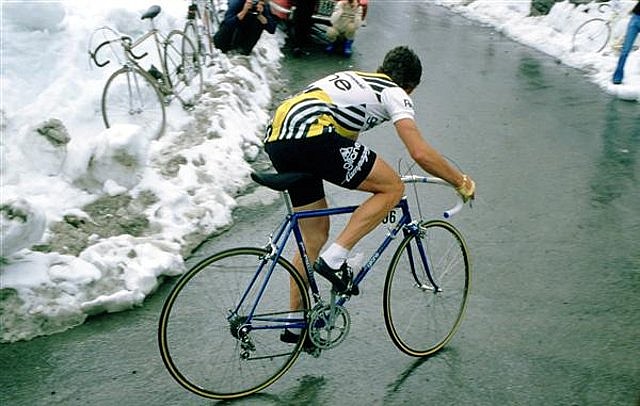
(151, 13)
(280, 181)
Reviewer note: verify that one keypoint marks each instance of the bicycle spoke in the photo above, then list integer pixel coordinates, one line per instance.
(130, 98)
(208, 341)
(183, 67)
(419, 318)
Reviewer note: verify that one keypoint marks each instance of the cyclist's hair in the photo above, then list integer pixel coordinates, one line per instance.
(403, 66)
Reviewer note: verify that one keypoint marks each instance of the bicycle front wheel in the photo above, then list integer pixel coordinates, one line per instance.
(213, 342)
(426, 289)
(184, 68)
(130, 97)
(591, 36)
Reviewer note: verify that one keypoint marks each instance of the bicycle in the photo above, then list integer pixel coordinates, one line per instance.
(134, 95)
(203, 20)
(220, 329)
(594, 34)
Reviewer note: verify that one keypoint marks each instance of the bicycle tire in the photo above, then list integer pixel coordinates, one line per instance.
(419, 319)
(195, 335)
(184, 69)
(591, 36)
(131, 97)
(215, 16)
(211, 24)
(192, 32)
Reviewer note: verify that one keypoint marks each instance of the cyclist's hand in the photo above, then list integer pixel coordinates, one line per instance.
(468, 188)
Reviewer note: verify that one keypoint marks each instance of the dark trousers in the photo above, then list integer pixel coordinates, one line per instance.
(241, 38)
(302, 22)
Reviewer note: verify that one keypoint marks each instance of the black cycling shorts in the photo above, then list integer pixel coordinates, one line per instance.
(331, 157)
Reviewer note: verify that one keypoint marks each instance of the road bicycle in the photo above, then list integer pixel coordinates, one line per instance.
(222, 326)
(203, 20)
(135, 95)
(594, 34)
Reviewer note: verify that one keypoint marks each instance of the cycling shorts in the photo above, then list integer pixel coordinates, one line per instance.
(336, 159)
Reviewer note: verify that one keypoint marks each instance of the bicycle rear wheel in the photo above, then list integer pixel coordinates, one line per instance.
(591, 36)
(207, 341)
(183, 65)
(424, 300)
(130, 97)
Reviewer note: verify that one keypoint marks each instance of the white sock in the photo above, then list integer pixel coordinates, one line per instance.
(335, 256)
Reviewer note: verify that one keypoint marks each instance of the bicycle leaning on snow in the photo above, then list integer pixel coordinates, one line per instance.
(203, 19)
(135, 95)
(594, 34)
(221, 327)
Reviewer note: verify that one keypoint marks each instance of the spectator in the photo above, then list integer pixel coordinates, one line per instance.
(243, 24)
(345, 21)
(302, 24)
(632, 32)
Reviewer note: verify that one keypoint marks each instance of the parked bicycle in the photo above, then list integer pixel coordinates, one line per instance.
(203, 19)
(221, 327)
(137, 95)
(594, 34)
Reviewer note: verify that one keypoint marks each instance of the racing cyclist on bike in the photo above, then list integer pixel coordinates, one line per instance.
(316, 131)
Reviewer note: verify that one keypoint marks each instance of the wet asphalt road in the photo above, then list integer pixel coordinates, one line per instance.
(554, 316)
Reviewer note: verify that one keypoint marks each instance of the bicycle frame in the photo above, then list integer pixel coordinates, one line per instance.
(132, 58)
(204, 10)
(290, 225)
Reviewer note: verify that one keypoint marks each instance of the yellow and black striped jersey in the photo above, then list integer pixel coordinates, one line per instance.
(346, 102)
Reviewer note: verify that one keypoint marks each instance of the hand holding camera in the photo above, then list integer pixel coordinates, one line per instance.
(254, 6)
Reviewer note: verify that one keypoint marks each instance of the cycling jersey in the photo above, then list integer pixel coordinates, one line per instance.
(345, 103)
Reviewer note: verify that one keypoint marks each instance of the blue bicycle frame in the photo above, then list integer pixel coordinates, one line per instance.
(278, 242)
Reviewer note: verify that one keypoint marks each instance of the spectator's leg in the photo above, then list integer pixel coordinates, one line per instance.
(248, 37)
(223, 38)
(332, 36)
(632, 32)
(302, 24)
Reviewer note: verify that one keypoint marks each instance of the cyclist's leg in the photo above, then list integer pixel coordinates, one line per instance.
(293, 156)
(315, 232)
(387, 189)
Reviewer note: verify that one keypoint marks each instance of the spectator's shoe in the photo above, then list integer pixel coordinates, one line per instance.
(348, 47)
(341, 279)
(617, 77)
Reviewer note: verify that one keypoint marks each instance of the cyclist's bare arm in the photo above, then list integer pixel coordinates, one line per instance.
(425, 155)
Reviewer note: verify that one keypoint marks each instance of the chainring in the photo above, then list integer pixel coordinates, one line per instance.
(328, 326)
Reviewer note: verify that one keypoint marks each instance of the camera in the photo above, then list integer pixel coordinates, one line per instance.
(254, 6)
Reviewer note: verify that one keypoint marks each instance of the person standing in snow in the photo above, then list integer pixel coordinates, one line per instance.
(632, 32)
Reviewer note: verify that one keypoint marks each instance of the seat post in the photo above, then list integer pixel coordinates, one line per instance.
(287, 201)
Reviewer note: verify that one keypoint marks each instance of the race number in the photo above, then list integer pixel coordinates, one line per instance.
(390, 218)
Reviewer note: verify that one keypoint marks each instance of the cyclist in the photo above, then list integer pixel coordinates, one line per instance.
(316, 131)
